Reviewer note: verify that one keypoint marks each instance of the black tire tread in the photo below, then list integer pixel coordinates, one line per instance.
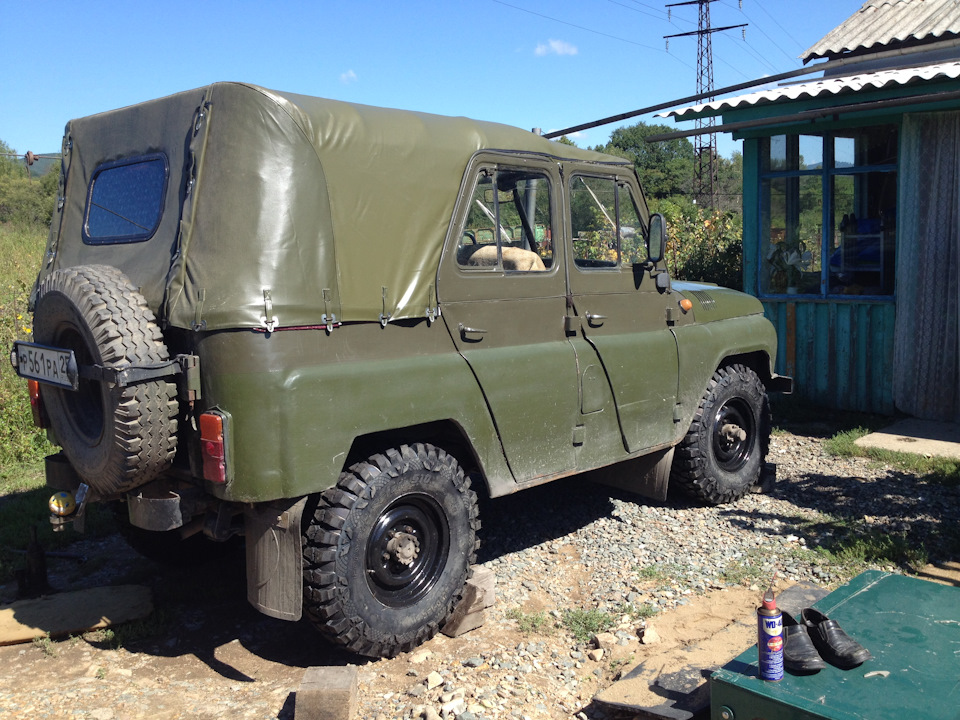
(689, 470)
(125, 332)
(323, 604)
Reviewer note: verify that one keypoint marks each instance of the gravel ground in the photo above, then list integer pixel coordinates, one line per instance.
(553, 549)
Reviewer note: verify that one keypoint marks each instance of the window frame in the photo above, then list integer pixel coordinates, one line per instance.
(620, 184)
(492, 170)
(827, 172)
(125, 238)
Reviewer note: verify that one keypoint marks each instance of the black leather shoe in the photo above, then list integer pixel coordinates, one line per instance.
(833, 644)
(799, 654)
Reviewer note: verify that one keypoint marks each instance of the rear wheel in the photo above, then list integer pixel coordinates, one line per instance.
(720, 457)
(387, 551)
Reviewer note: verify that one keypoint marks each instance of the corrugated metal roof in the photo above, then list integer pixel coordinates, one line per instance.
(826, 86)
(884, 22)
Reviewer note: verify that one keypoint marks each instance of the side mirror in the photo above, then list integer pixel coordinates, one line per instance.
(657, 242)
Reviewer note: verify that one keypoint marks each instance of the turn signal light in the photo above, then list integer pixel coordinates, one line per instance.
(212, 448)
(36, 404)
(686, 305)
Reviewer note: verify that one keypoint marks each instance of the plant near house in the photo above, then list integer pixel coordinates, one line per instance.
(788, 260)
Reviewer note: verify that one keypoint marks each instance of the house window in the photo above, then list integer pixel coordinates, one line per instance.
(828, 213)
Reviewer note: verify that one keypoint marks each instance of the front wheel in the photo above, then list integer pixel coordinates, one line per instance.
(387, 550)
(720, 457)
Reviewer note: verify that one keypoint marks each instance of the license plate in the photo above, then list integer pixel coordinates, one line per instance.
(52, 366)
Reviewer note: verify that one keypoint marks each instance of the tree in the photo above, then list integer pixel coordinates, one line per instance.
(25, 199)
(665, 168)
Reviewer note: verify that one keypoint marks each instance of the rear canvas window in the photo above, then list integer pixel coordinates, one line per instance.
(125, 200)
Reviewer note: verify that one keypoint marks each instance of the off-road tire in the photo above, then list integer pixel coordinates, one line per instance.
(711, 467)
(357, 597)
(115, 438)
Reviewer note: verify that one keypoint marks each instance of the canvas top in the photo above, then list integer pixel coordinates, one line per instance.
(277, 205)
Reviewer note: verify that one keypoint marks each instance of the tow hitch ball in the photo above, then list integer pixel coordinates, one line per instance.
(67, 507)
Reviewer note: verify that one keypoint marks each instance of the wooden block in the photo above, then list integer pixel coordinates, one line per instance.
(327, 693)
(73, 612)
(479, 593)
(485, 581)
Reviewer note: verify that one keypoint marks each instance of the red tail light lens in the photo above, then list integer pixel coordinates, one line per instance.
(212, 448)
(36, 404)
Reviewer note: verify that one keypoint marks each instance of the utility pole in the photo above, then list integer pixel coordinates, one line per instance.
(706, 144)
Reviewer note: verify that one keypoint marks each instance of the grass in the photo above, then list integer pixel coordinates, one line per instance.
(23, 491)
(47, 646)
(584, 624)
(938, 469)
(531, 623)
(21, 249)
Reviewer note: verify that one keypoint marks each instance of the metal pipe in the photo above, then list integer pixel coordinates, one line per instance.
(830, 64)
(809, 115)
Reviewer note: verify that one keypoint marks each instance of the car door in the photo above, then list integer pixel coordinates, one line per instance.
(621, 311)
(502, 292)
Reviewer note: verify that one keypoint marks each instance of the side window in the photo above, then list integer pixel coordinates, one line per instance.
(125, 200)
(633, 245)
(605, 224)
(508, 224)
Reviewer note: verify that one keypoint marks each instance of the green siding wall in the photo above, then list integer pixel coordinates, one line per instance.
(840, 354)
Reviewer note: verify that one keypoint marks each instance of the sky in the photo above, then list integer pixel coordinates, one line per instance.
(550, 64)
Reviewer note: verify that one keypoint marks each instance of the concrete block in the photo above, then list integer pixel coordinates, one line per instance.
(327, 693)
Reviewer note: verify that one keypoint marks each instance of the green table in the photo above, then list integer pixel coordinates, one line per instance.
(911, 626)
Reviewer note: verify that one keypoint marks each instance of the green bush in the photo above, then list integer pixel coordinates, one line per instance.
(28, 201)
(21, 248)
(704, 247)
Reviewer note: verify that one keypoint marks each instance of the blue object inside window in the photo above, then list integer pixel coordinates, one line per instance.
(125, 200)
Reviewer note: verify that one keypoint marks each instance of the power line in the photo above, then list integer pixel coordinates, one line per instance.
(706, 142)
(763, 32)
(756, 55)
(661, 16)
(786, 33)
(585, 29)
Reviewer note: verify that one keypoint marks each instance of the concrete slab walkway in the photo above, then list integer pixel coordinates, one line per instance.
(921, 437)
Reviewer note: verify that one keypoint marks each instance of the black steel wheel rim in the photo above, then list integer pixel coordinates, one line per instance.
(391, 582)
(84, 405)
(732, 454)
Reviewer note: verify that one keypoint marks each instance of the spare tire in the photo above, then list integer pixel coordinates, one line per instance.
(116, 438)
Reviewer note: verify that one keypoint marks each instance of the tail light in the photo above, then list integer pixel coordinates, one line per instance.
(213, 448)
(36, 405)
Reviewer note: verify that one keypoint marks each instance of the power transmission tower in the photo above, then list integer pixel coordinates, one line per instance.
(706, 144)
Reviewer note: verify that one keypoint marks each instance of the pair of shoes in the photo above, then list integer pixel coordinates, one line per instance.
(833, 644)
(806, 644)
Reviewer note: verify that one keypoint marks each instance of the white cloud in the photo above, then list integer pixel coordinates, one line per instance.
(348, 77)
(555, 47)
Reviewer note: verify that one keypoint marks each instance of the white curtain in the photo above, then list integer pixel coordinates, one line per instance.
(926, 362)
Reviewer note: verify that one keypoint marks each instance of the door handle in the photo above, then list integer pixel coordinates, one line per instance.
(598, 319)
(464, 331)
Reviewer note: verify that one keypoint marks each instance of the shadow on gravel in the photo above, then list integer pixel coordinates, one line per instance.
(895, 512)
(203, 612)
(541, 514)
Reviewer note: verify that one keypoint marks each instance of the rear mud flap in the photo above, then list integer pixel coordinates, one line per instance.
(274, 564)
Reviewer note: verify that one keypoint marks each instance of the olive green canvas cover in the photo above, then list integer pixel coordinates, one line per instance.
(281, 207)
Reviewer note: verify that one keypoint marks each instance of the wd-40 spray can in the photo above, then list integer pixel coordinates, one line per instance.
(770, 638)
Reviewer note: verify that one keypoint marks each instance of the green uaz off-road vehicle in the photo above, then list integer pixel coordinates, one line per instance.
(326, 327)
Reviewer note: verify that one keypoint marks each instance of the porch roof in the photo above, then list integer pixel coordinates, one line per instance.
(889, 23)
(823, 87)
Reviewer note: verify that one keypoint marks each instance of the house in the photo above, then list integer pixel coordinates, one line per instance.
(851, 204)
